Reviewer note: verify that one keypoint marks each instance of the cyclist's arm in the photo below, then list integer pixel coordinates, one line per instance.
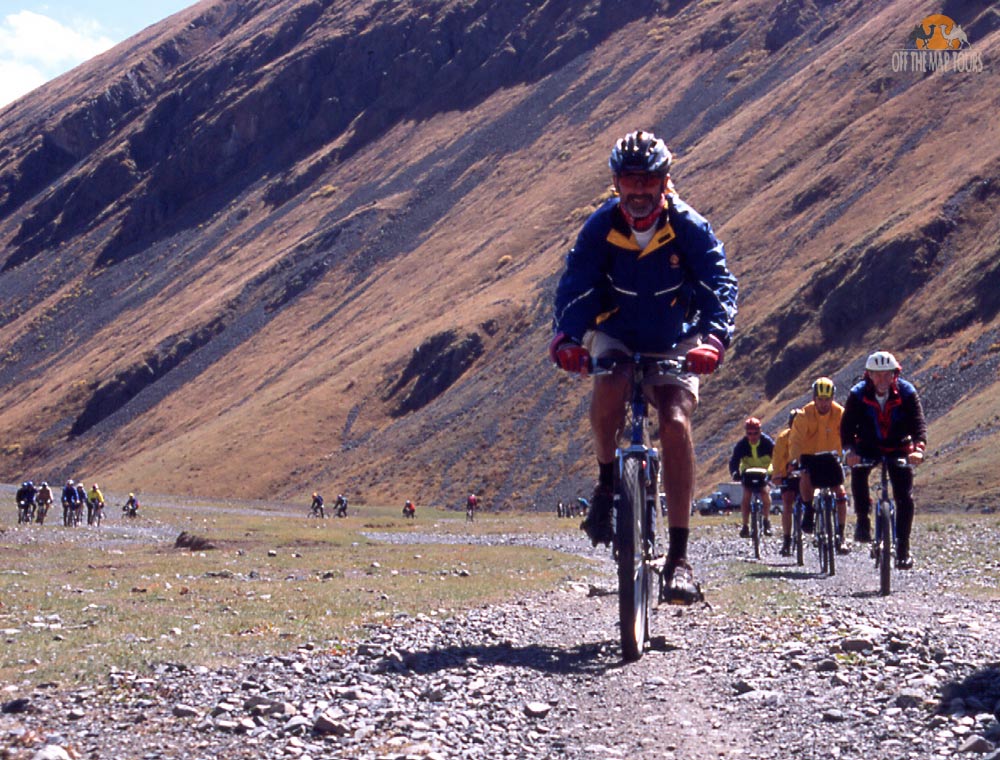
(578, 294)
(714, 287)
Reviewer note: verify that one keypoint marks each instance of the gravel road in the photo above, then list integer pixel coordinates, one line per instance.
(780, 663)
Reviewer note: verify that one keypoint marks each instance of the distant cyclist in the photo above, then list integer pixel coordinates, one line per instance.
(70, 500)
(408, 509)
(471, 505)
(44, 501)
(755, 449)
(340, 506)
(26, 500)
(789, 484)
(883, 416)
(95, 503)
(814, 431)
(131, 506)
(316, 508)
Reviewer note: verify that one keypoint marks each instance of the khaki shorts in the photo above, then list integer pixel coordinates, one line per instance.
(599, 344)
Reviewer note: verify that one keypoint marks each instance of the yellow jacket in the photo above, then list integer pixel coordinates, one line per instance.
(780, 458)
(813, 432)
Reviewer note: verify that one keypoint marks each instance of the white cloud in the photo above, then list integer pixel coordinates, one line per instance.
(17, 79)
(34, 48)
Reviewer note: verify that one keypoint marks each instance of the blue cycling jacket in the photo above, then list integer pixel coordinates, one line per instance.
(650, 299)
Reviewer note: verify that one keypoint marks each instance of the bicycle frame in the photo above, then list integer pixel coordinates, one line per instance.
(885, 538)
(828, 476)
(755, 479)
(637, 466)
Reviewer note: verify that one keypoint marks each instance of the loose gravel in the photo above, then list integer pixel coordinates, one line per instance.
(785, 663)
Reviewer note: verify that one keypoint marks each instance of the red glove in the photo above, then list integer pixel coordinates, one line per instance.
(569, 355)
(705, 358)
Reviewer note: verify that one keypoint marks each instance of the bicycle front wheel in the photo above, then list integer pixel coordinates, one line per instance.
(831, 533)
(634, 573)
(885, 550)
(755, 527)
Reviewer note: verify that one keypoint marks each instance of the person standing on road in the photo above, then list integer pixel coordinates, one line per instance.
(755, 449)
(883, 417)
(647, 274)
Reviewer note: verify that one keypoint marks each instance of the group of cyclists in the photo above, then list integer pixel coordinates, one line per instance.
(34, 503)
(882, 417)
(318, 509)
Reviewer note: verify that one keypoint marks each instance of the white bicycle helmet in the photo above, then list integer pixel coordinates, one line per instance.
(882, 361)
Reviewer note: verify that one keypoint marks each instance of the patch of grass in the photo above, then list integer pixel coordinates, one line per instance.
(74, 605)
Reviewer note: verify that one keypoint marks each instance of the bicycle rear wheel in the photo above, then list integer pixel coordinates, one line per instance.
(884, 557)
(634, 573)
(797, 533)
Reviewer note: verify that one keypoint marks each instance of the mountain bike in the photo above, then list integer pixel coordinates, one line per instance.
(792, 482)
(755, 478)
(637, 466)
(797, 541)
(884, 541)
(25, 511)
(43, 510)
(827, 475)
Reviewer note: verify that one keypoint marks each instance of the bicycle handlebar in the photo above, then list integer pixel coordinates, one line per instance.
(898, 462)
(605, 365)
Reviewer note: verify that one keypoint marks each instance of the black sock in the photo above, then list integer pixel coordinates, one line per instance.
(606, 474)
(678, 543)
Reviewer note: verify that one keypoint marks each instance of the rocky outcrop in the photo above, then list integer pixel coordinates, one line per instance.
(433, 367)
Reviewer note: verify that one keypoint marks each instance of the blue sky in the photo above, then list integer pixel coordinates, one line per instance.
(40, 40)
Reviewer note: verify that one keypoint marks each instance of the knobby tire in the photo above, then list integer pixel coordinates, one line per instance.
(755, 527)
(800, 559)
(831, 534)
(885, 551)
(633, 570)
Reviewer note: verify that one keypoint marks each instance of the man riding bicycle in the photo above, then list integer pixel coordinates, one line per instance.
(789, 484)
(755, 449)
(316, 508)
(647, 274)
(883, 417)
(26, 496)
(817, 430)
(95, 503)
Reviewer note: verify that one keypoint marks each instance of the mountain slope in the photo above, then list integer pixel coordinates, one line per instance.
(290, 245)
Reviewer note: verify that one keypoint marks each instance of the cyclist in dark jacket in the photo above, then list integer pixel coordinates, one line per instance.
(883, 416)
(647, 274)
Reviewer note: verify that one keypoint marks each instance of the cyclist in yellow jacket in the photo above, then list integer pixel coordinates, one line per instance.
(814, 431)
(789, 484)
(755, 449)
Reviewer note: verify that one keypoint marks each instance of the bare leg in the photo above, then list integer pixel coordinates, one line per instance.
(675, 406)
(788, 503)
(607, 412)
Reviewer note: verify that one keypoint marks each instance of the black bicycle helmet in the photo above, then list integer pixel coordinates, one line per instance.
(640, 151)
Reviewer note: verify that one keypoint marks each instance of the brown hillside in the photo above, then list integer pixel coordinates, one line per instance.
(268, 247)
